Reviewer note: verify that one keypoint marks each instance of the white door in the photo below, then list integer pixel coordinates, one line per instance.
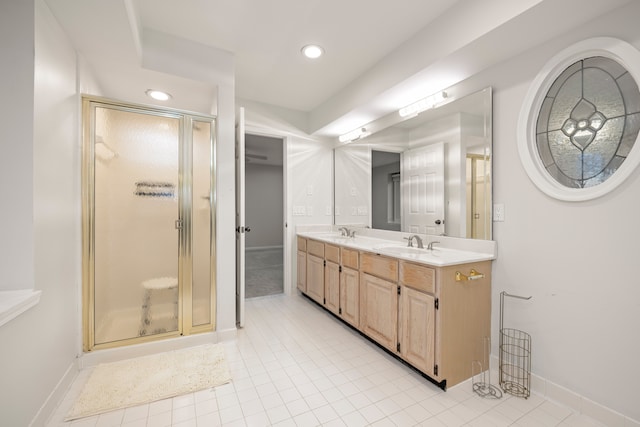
(240, 225)
(422, 176)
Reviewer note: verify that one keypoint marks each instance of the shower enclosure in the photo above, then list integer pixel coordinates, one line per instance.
(148, 222)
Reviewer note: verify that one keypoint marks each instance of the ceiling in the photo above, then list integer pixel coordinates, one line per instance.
(379, 55)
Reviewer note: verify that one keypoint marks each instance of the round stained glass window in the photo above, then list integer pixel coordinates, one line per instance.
(588, 122)
(580, 121)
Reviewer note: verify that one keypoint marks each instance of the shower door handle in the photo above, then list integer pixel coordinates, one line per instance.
(178, 224)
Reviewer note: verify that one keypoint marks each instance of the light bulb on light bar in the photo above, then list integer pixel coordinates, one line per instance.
(427, 103)
(353, 135)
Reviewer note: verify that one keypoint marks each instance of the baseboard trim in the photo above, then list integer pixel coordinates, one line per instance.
(54, 399)
(227, 334)
(552, 391)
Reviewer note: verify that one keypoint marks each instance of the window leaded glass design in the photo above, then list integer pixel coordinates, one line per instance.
(588, 122)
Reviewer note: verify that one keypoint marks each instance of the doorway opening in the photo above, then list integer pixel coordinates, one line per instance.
(264, 213)
(148, 224)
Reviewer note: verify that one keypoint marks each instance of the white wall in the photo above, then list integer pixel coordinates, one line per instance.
(578, 260)
(16, 135)
(264, 198)
(40, 346)
(225, 212)
(353, 184)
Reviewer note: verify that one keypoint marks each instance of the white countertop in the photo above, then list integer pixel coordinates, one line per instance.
(442, 254)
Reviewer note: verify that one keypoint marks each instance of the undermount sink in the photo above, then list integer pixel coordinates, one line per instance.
(402, 250)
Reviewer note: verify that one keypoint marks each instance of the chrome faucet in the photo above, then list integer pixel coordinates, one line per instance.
(344, 231)
(430, 245)
(418, 241)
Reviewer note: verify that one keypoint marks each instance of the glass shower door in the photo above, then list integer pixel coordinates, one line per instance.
(136, 224)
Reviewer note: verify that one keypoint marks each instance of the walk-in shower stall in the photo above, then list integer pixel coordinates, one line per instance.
(148, 223)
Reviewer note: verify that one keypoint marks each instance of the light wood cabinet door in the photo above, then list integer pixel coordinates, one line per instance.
(349, 296)
(417, 342)
(332, 287)
(301, 278)
(379, 310)
(315, 278)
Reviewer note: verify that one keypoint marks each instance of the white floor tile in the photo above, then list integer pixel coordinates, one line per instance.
(183, 413)
(162, 419)
(325, 414)
(372, 413)
(289, 372)
(354, 419)
(306, 419)
(110, 419)
(277, 414)
(256, 420)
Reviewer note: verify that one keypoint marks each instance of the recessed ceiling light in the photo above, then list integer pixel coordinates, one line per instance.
(312, 51)
(158, 95)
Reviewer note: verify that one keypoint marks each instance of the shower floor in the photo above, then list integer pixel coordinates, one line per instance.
(264, 272)
(125, 323)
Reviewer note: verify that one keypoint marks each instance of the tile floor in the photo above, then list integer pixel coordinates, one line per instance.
(295, 365)
(264, 272)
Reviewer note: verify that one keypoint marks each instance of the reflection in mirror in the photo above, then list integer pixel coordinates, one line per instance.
(428, 174)
(386, 211)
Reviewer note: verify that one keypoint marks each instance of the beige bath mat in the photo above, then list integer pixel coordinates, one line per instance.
(146, 379)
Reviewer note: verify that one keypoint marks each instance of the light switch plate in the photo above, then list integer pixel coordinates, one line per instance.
(498, 212)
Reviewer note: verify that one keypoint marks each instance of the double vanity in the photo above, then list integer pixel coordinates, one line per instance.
(430, 306)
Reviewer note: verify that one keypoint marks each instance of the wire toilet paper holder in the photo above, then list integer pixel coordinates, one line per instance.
(514, 356)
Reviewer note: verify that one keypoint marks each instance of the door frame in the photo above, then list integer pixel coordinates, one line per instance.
(185, 203)
(286, 200)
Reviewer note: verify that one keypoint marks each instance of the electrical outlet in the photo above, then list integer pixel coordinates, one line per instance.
(498, 212)
(299, 211)
(327, 210)
(309, 210)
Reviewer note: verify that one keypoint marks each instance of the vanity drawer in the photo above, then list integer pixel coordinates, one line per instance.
(302, 244)
(350, 258)
(315, 248)
(418, 277)
(380, 266)
(332, 253)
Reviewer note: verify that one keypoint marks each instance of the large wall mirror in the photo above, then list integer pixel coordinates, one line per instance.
(427, 174)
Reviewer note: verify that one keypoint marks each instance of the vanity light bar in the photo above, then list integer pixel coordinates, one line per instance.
(427, 103)
(353, 135)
